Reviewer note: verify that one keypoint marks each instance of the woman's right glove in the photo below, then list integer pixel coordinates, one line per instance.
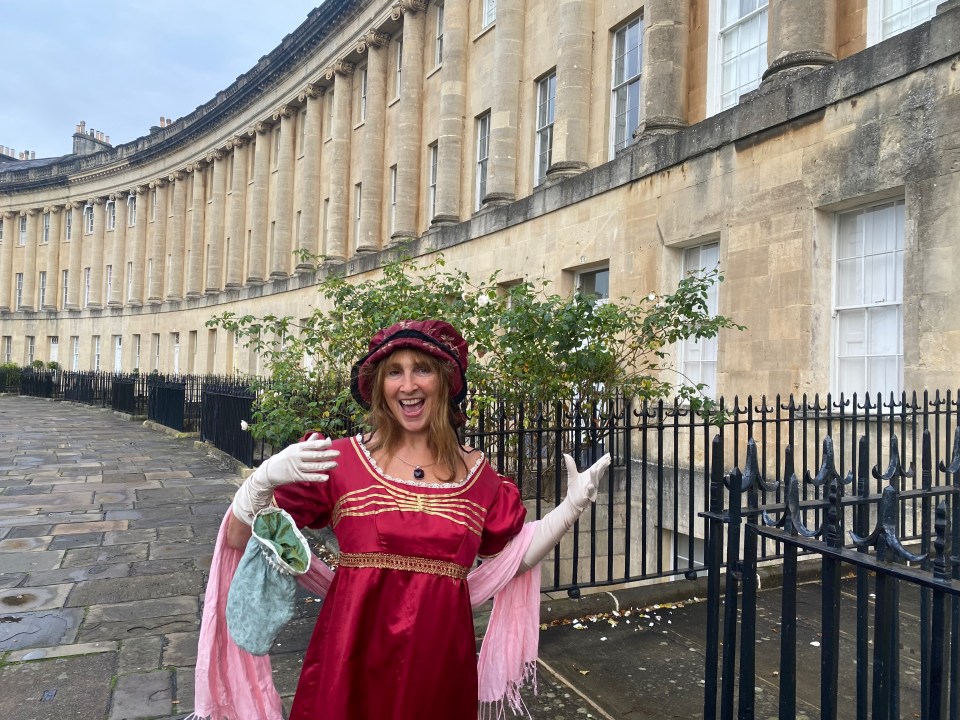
(581, 491)
(304, 461)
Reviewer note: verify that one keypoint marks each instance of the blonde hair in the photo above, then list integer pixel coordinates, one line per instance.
(441, 435)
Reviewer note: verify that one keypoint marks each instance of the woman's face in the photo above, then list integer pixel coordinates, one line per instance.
(411, 389)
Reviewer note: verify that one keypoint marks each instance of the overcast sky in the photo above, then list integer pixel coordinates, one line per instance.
(120, 65)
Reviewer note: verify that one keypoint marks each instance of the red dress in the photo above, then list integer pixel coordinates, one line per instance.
(395, 636)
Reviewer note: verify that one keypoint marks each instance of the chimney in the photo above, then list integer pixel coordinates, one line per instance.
(33, 154)
(163, 121)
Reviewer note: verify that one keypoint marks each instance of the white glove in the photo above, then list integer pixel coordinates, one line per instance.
(581, 491)
(304, 461)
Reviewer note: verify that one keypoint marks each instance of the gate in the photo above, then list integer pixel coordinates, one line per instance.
(866, 672)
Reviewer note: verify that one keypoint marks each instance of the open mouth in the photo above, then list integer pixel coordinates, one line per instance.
(412, 407)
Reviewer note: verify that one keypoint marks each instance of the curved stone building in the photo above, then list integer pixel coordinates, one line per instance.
(808, 146)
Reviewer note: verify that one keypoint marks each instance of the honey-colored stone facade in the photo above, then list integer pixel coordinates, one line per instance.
(326, 145)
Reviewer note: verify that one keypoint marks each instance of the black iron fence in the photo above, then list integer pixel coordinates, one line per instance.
(860, 662)
(647, 523)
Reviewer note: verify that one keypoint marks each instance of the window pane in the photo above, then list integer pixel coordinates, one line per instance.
(883, 330)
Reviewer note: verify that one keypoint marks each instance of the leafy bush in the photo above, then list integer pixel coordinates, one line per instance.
(527, 343)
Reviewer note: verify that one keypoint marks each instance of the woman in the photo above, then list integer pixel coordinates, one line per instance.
(412, 509)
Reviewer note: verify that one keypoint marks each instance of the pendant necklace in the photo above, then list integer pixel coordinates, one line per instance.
(417, 469)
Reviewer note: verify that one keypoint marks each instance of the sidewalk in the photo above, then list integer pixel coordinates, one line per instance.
(106, 536)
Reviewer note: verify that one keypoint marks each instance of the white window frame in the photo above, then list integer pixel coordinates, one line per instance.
(45, 237)
(131, 210)
(432, 186)
(42, 287)
(546, 109)
(18, 299)
(438, 39)
(393, 198)
(483, 157)
(399, 68)
(109, 281)
(66, 284)
(8, 348)
(129, 281)
(75, 353)
(696, 356)
(718, 31)
(892, 295)
(88, 219)
(1, 229)
(357, 204)
(488, 13)
(154, 202)
(362, 94)
(22, 235)
(68, 224)
(111, 214)
(623, 84)
(54, 348)
(879, 15)
(31, 348)
(86, 287)
(96, 353)
(585, 283)
(136, 352)
(117, 353)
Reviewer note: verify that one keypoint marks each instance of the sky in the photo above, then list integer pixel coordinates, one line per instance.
(121, 64)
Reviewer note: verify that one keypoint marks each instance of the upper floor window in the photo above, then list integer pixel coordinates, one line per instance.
(68, 222)
(362, 94)
(868, 303)
(153, 204)
(393, 198)
(398, 74)
(18, 300)
(546, 102)
(45, 237)
(698, 356)
(42, 283)
(88, 219)
(1, 229)
(741, 49)
(22, 236)
(886, 18)
(111, 215)
(432, 187)
(489, 13)
(438, 43)
(483, 155)
(594, 283)
(131, 210)
(627, 58)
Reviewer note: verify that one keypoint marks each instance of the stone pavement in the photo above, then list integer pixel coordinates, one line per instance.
(106, 536)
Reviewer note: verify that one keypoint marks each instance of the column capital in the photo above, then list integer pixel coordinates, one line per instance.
(373, 38)
(96, 200)
(73, 205)
(9, 214)
(139, 189)
(53, 209)
(284, 111)
(312, 91)
(215, 155)
(176, 175)
(32, 212)
(339, 67)
(158, 183)
(235, 142)
(259, 128)
(407, 6)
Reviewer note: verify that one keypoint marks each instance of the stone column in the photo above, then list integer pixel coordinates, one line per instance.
(8, 219)
(371, 149)
(283, 202)
(236, 220)
(666, 31)
(157, 242)
(453, 108)
(571, 122)
(173, 262)
(214, 276)
(52, 264)
(409, 126)
(29, 299)
(802, 37)
(504, 115)
(118, 250)
(339, 176)
(256, 270)
(308, 190)
(75, 257)
(96, 253)
(139, 249)
(198, 211)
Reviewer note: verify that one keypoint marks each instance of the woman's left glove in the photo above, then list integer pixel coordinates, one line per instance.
(581, 491)
(301, 462)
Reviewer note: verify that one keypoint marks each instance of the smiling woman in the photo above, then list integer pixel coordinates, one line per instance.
(412, 510)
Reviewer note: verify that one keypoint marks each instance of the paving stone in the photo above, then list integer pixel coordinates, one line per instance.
(142, 695)
(286, 667)
(29, 599)
(31, 530)
(106, 555)
(180, 649)
(122, 513)
(163, 551)
(120, 590)
(8, 580)
(141, 654)
(126, 537)
(62, 651)
(164, 496)
(40, 542)
(85, 527)
(44, 628)
(57, 688)
(79, 574)
(217, 509)
(31, 489)
(184, 695)
(66, 542)
(31, 561)
(138, 627)
(163, 567)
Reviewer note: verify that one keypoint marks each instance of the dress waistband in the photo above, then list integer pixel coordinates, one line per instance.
(388, 561)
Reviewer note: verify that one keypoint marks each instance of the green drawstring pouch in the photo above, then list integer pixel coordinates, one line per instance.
(261, 597)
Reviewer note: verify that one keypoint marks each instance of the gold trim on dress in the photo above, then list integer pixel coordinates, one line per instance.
(409, 563)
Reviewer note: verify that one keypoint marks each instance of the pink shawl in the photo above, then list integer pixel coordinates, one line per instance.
(231, 684)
